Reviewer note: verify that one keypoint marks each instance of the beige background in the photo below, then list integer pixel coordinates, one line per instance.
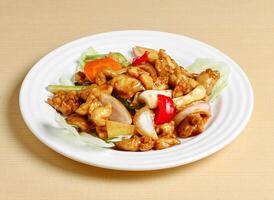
(242, 29)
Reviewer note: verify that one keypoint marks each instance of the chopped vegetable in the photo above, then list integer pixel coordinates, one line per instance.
(150, 97)
(165, 110)
(144, 123)
(128, 106)
(140, 60)
(115, 129)
(119, 112)
(92, 68)
(91, 54)
(139, 51)
(118, 57)
(66, 88)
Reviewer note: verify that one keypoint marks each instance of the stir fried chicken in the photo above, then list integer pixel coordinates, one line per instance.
(126, 86)
(161, 83)
(65, 102)
(100, 79)
(166, 129)
(208, 78)
(95, 90)
(81, 122)
(150, 69)
(181, 82)
(142, 75)
(131, 144)
(102, 132)
(146, 143)
(192, 125)
(153, 101)
(81, 79)
(166, 141)
(100, 114)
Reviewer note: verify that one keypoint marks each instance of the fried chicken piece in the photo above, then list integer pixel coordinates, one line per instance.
(150, 69)
(102, 132)
(146, 80)
(166, 129)
(161, 83)
(100, 114)
(99, 90)
(142, 75)
(100, 79)
(91, 103)
(208, 78)
(180, 89)
(164, 65)
(166, 141)
(81, 122)
(65, 102)
(110, 73)
(126, 86)
(192, 125)
(95, 90)
(181, 83)
(131, 144)
(81, 79)
(146, 144)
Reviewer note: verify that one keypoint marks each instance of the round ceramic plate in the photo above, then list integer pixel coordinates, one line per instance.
(231, 110)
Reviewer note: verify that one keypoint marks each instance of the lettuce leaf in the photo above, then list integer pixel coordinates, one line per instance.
(86, 138)
(202, 64)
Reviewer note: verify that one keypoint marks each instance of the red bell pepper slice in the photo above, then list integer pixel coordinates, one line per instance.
(141, 59)
(165, 110)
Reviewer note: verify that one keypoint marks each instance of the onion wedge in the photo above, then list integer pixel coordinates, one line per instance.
(119, 111)
(144, 123)
(201, 107)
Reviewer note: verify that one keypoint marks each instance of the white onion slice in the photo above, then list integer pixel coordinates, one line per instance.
(199, 107)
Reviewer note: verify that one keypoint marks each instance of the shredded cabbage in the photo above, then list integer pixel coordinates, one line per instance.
(202, 64)
(63, 80)
(81, 137)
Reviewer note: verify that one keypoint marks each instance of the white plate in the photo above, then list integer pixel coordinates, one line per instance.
(230, 112)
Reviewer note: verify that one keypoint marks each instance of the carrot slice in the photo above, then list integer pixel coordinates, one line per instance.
(92, 68)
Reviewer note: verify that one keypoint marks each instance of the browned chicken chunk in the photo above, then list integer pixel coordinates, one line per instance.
(100, 114)
(166, 141)
(142, 75)
(146, 144)
(208, 78)
(102, 132)
(166, 128)
(131, 144)
(192, 125)
(126, 86)
(82, 123)
(81, 79)
(165, 65)
(161, 83)
(64, 102)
